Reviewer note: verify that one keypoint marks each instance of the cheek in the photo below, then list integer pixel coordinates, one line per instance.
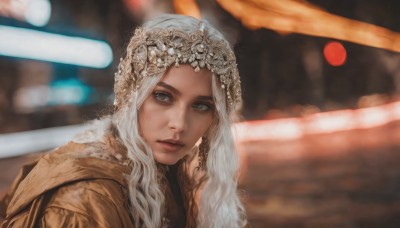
(141, 122)
(147, 119)
(203, 125)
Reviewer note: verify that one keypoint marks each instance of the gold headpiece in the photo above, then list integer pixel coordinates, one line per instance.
(151, 53)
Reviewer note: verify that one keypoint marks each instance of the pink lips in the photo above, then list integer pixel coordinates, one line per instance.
(171, 145)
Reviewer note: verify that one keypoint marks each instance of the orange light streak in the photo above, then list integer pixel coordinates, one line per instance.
(320, 123)
(187, 7)
(300, 17)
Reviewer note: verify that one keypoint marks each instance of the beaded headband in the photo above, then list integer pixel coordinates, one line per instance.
(151, 53)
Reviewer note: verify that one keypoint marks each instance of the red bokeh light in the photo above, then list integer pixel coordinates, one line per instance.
(135, 6)
(335, 53)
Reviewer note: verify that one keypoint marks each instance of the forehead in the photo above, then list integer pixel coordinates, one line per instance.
(185, 79)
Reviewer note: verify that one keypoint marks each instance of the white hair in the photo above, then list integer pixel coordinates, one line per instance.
(145, 194)
(219, 204)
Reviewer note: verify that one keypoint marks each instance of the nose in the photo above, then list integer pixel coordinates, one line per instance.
(178, 120)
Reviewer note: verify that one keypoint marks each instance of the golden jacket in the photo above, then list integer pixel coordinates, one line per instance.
(71, 188)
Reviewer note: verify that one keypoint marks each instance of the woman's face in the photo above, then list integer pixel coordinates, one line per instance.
(177, 113)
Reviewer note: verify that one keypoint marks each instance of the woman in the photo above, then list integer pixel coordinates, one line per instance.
(177, 86)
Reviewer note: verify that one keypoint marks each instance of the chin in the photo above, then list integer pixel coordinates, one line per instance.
(166, 160)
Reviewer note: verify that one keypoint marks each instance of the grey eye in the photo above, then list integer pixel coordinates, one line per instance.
(202, 107)
(162, 97)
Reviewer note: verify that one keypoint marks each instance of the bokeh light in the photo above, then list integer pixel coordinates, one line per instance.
(335, 53)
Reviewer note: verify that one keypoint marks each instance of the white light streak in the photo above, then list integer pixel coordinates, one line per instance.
(31, 44)
(35, 12)
(281, 129)
(16, 144)
(320, 123)
(330, 122)
(38, 12)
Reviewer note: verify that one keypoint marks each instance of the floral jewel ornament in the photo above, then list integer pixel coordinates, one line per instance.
(152, 51)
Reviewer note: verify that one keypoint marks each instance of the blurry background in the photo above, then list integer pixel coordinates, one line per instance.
(319, 131)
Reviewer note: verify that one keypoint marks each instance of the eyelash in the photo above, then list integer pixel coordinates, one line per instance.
(208, 107)
(162, 96)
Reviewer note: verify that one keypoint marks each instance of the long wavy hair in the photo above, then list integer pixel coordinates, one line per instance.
(218, 204)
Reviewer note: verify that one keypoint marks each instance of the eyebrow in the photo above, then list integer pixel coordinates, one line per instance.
(177, 92)
(206, 98)
(169, 87)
